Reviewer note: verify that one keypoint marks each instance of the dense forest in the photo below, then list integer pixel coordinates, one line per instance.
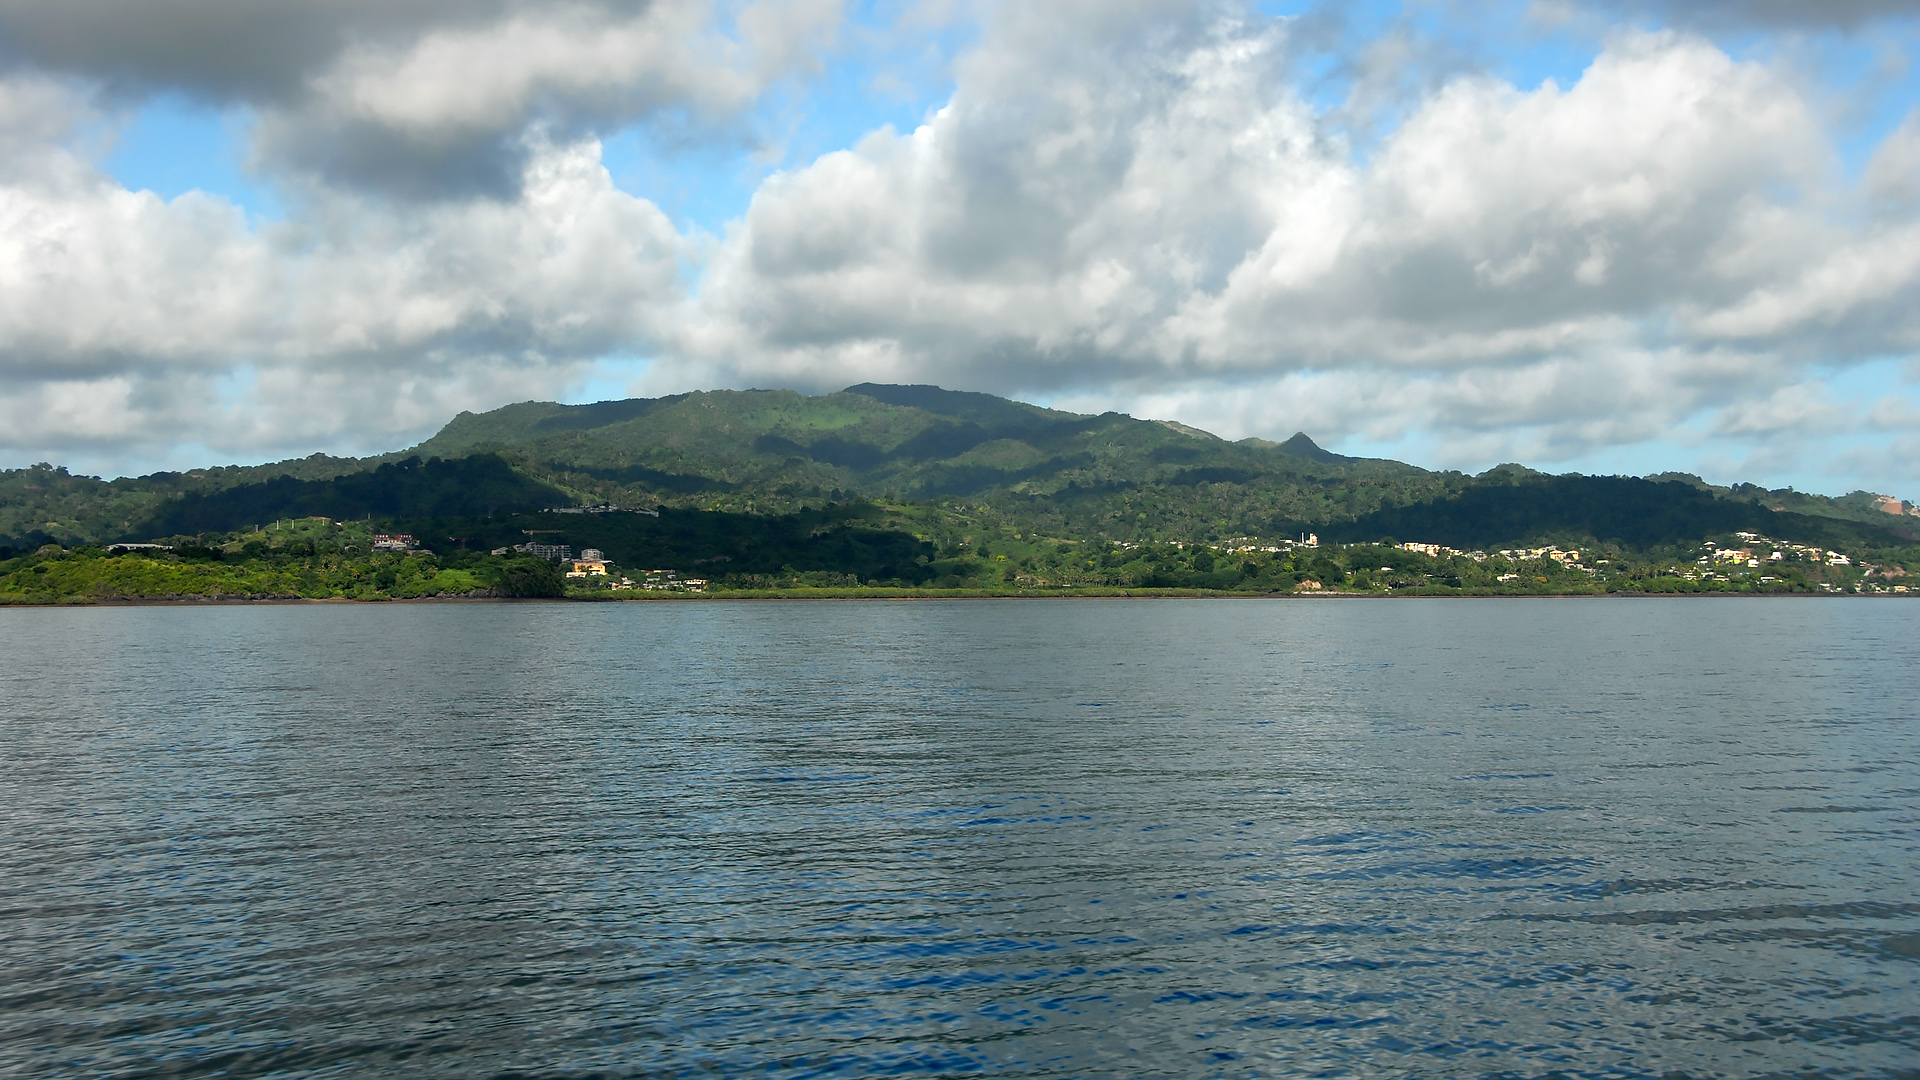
(900, 486)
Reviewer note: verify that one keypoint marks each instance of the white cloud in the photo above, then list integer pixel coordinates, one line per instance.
(444, 111)
(1860, 289)
(167, 321)
(428, 98)
(1804, 408)
(1131, 205)
(1148, 216)
(1893, 175)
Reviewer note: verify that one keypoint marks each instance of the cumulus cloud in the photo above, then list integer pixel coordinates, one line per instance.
(181, 321)
(426, 98)
(1893, 175)
(218, 49)
(1116, 215)
(1847, 14)
(1138, 205)
(1077, 186)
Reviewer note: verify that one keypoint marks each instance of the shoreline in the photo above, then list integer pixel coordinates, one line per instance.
(912, 595)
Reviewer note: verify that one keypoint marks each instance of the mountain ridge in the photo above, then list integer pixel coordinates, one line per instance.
(1044, 471)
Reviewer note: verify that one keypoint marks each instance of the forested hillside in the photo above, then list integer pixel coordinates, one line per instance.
(961, 462)
(1506, 508)
(775, 451)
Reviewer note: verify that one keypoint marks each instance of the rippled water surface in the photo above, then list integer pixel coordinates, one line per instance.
(1021, 838)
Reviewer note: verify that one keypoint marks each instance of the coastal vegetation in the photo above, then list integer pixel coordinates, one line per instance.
(871, 550)
(879, 489)
(313, 559)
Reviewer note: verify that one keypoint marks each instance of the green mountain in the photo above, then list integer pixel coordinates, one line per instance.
(1639, 515)
(1065, 473)
(478, 485)
(776, 471)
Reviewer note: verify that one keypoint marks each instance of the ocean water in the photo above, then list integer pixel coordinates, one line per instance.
(1503, 838)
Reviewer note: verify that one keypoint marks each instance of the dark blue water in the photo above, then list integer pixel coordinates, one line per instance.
(1023, 838)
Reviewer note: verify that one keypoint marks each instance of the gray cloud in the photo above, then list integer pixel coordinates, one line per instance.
(423, 98)
(136, 323)
(1149, 217)
(1893, 174)
(1845, 14)
(222, 50)
(1129, 205)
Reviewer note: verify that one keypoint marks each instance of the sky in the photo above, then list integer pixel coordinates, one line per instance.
(1606, 236)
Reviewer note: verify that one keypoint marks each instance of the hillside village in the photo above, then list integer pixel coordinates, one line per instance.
(919, 488)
